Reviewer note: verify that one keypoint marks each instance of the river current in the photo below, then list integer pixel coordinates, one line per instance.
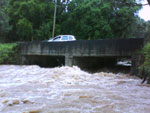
(32, 89)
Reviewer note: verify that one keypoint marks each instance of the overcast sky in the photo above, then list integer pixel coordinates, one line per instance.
(145, 11)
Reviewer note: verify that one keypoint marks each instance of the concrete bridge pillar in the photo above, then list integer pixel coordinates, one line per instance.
(68, 60)
(137, 60)
(23, 60)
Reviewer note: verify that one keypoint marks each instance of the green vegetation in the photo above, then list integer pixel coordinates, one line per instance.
(26, 20)
(31, 19)
(146, 53)
(8, 53)
(4, 22)
(93, 19)
(146, 49)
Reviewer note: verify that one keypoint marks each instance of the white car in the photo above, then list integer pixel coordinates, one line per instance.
(62, 38)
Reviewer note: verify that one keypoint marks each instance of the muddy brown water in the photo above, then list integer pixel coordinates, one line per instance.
(31, 89)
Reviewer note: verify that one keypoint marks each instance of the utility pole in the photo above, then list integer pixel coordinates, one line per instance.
(53, 33)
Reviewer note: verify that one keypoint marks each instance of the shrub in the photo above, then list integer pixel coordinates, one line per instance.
(8, 53)
(146, 52)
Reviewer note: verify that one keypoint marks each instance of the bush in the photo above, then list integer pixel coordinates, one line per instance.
(8, 53)
(146, 52)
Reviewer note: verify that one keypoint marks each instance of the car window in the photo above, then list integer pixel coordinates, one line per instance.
(56, 39)
(64, 37)
(70, 38)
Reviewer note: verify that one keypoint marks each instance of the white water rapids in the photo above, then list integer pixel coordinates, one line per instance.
(31, 89)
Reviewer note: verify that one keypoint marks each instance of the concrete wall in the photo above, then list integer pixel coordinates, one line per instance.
(118, 47)
(137, 60)
(76, 51)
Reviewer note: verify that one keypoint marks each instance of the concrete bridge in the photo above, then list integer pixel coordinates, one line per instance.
(77, 52)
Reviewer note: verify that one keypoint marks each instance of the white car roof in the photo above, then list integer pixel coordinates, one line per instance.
(65, 35)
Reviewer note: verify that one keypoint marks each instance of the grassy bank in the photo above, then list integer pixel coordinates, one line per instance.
(9, 53)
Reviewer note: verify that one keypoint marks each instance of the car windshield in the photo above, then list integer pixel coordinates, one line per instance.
(56, 39)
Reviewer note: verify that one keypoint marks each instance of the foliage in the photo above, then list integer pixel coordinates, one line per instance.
(146, 53)
(86, 19)
(140, 30)
(146, 49)
(92, 19)
(4, 24)
(147, 30)
(30, 19)
(8, 53)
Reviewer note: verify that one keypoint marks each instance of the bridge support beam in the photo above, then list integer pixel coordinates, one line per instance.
(137, 60)
(68, 60)
(24, 60)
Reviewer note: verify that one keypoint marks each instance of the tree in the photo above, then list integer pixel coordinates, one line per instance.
(147, 30)
(139, 29)
(31, 19)
(4, 24)
(92, 19)
(86, 19)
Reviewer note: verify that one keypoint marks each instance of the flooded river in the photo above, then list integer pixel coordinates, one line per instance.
(31, 89)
